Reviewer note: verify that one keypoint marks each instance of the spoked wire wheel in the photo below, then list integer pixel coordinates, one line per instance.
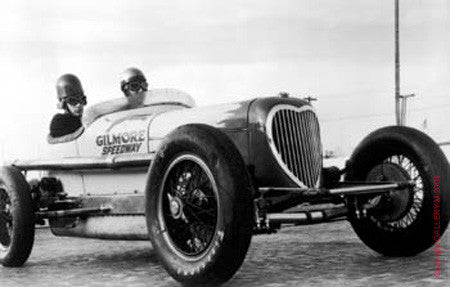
(402, 222)
(199, 205)
(6, 220)
(399, 208)
(189, 206)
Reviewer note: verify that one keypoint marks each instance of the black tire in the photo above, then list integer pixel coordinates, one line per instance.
(404, 222)
(206, 243)
(16, 218)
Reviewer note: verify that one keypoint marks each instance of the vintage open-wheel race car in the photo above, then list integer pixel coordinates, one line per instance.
(199, 182)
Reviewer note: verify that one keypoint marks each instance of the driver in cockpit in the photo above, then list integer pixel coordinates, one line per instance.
(67, 126)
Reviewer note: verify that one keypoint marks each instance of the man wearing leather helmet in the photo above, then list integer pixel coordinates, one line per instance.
(133, 81)
(134, 86)
(66, 126)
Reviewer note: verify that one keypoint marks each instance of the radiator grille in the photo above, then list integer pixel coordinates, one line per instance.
(295, 138)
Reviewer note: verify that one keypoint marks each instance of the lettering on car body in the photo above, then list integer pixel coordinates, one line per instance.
(124, 142)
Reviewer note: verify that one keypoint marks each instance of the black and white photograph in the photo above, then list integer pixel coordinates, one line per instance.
(224, 143)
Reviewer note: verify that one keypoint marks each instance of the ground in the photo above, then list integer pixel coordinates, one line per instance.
(319, 255)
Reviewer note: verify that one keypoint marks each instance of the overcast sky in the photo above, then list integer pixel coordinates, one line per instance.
(221, 51)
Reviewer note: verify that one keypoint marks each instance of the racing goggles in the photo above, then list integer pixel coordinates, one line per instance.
(135, 86)
(73, 101)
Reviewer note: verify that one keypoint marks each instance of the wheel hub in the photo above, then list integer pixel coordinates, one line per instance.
(396, 203)
(176, 207)
(5, 220)
(8, 209)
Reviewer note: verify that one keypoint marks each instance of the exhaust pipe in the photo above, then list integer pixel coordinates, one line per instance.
(72, 212)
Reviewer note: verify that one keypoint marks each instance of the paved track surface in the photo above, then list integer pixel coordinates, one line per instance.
(319, 255)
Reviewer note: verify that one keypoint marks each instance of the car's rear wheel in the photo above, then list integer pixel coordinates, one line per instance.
(199, 206)
(408, 221)
(16, 218)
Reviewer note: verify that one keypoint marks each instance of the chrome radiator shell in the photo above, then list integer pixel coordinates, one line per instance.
(294, 138)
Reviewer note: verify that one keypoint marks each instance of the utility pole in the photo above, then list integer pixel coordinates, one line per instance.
(403, 99)
(400, 100)
(397, 66)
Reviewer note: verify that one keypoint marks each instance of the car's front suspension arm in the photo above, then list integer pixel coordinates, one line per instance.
(281, 198)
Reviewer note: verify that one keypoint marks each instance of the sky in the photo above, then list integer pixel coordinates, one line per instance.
(341, 52)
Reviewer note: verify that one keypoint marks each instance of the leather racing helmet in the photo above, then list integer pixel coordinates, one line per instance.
(131, 79)
(68, 86)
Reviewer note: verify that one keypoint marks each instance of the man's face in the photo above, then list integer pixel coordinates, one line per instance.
(75, 106)
(135, 87)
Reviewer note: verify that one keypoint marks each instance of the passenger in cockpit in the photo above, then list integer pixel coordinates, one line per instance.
(134, 85)
(135, 88)
(67, 126)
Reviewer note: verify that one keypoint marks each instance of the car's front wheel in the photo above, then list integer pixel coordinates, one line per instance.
(199, 206)
(407, 221)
